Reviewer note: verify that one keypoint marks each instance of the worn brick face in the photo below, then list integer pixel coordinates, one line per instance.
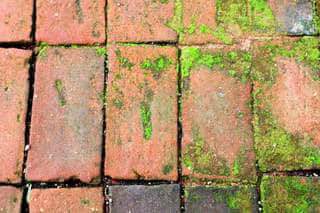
(216, 118)
(66, 131)
(141, 140)
(140, 20)
(14, 86)
(10, 199)
(71, 22)
(66, 200)
(15, 20)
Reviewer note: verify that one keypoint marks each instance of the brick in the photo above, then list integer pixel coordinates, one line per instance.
(15, 20)
(290, 194)
(66, 22)
(141, 140)
(295, 17)
(14, 86)
(286, 101)
(221, 199)
(10, 199)
(216, 117)
(140, 20)
(66, 131)
(139, 198)
(66, 200)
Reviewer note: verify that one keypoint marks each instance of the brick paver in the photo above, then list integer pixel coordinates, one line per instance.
(10, 199)
(138, 198)
(66, 22)
(140, 20)
(220, 199)
(14, 86)
(66, 132)
(290, 194)
(286, 93)
(141, 140)
(15, 20)
(216, 117)
(66, 200)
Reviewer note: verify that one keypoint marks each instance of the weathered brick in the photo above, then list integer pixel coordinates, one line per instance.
(141, 140)
(14, 86)
(216, 117)
(66, 200)
(10, 199)
(290, 194)
(66, 131)
(140, 20)
(287, 103)
(139, 198)
(221, 199)
(65, 22)
(15, 20)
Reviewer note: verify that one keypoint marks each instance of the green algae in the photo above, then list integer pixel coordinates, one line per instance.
(175, 22)
(85, 202)
(156, 66)
(123, 61)
(146, 114)
(262, 17)
(60, 90)
(290, 194)
(43, 48)
(167, 169)
(103, 97)
(101, 51)
(240, 200)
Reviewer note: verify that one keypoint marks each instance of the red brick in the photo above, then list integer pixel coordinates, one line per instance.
(10, 199)
(140, 21)
(135, 150)
(14, 68)
(287, 102)
(66, 132)
(66, 200)
(15, 20)
(64, 22)
(217, 135)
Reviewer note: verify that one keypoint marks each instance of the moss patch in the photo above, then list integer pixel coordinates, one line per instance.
(123, 61)
(101, 51)
(60, 90)
(167, 169)
(42, 51)
(241, 199)
(290, 194)
(156, 66)
(145, 113)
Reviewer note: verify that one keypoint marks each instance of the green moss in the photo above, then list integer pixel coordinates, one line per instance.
(101, 51)
(42, 52)
(164, 1)
(103, 97)
(60, 90)
(145, 113)
(156, 66)
(240, 200)
(123, 61)
(263, 19)
(85, 202)
(290, 194)
(117, 102)
(235, 63)
(167, 169)
(175, 22)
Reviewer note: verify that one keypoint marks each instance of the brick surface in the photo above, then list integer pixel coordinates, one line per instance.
(15, 20)
(65, 22)
(216, 118)
(10, 199)
(66, 200)
(287, 116)
(140, 20)
(141, 140)
(135, 198)
(66, 132)
(294, 17)
(290, 194)
(14, 69)
(221, 199)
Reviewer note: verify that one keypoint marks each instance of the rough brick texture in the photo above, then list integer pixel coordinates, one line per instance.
(66, 200)
(156, 199)
(140, 20)
(76, 22)
(141, 140)
(66, 132)
(14, 86)
(10, 199)
(15, 20)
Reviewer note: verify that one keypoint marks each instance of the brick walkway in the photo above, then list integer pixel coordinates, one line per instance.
(159, 106)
